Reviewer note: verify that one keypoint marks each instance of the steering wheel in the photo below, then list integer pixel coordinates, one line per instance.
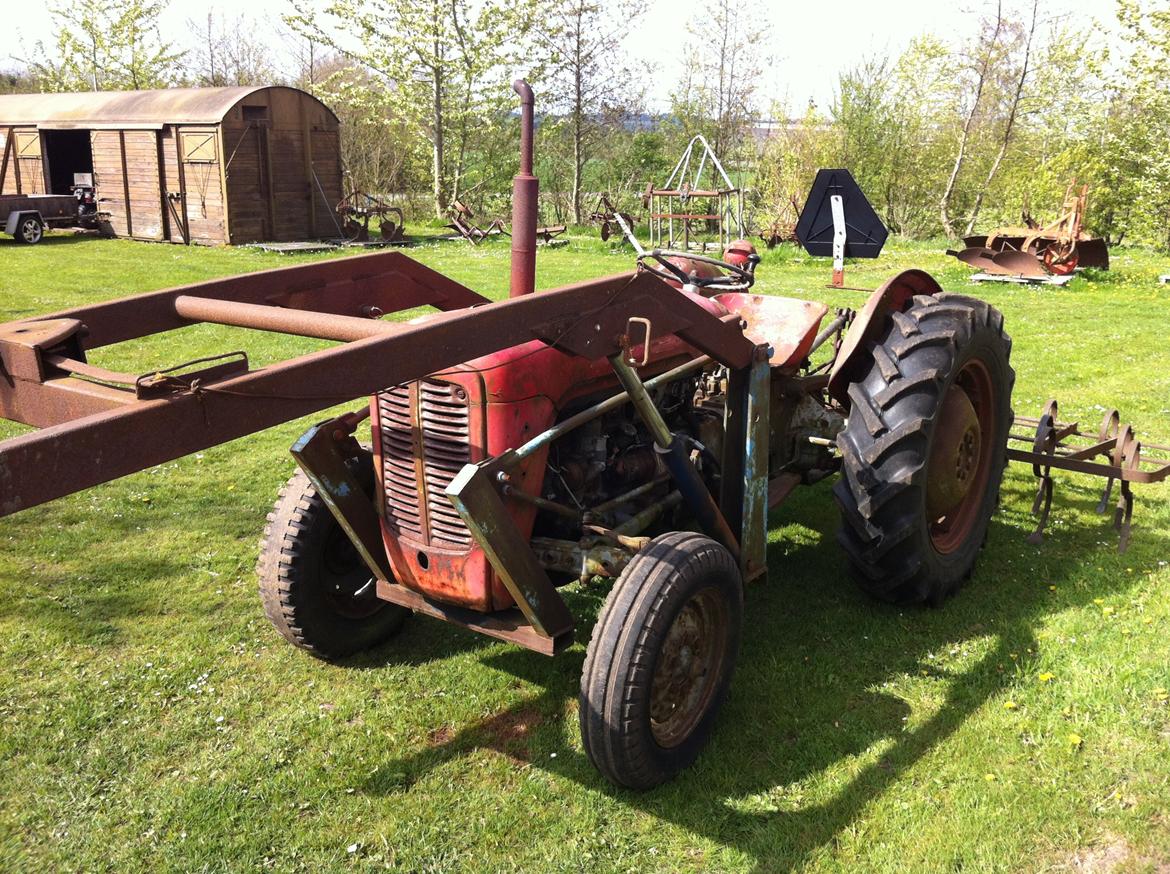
(737, 278)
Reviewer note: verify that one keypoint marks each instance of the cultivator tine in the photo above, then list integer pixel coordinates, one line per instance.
(1110, 428)
(1043, 444)
(1115, 455)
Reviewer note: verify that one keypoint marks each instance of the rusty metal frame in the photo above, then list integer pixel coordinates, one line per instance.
(1114, 453)
(94, 432)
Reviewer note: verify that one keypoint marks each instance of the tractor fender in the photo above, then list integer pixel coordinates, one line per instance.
(855, 357)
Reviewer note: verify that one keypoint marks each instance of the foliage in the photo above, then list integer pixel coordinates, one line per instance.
(229, 51)
(154, 721)
(106, 45)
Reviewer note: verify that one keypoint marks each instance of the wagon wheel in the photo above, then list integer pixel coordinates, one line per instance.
(660, 660)
(1060, 258)
(924, 449)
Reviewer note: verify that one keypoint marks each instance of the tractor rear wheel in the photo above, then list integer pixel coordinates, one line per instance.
(661, 658)
(924, 449)
(316, 589)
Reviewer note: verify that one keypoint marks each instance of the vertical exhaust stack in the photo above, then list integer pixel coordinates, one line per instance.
(525, 188)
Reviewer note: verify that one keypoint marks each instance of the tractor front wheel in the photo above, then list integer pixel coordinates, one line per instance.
(924, 449)
(316, 589)
(660, 661)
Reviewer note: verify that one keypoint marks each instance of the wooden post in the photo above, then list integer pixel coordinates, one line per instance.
(16, 161)
(126, 183)
(4, 162)
(272, 234)
(164, 201)
(186, 229)
(225, 204)
(307, 147)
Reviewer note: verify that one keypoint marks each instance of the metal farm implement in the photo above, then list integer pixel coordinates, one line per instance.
(635, 428)
(1055, 249)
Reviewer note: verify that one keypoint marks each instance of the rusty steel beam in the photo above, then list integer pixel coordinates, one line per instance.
(94, 434)
(304, 323)
(389, 281)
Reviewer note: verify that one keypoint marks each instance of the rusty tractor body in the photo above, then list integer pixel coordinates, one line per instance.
(1055, 249)
(636, 429)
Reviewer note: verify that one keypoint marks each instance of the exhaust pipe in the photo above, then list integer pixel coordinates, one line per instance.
(525, 188)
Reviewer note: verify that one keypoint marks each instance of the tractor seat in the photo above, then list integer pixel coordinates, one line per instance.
(786, 324)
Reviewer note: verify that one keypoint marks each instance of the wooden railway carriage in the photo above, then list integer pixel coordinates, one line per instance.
(188, 165)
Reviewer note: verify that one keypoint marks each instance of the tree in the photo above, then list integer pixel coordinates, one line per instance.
(18, 82)
(1019, 81)
(981, 63)
(723, 64)
(584, 39)
(230, 52)
(445, 62)
(107, 45)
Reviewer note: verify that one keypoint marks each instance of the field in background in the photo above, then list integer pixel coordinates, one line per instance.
(153, 720)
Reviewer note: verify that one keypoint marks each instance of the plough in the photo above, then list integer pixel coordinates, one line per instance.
(634, 429)
(1055, 249)
(357, 209)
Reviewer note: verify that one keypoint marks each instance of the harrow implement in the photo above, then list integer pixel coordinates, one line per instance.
(1114, 453)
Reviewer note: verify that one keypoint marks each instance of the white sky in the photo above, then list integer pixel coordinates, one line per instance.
(811, 41)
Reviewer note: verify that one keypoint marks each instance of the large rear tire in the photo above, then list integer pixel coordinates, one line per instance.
(924, 449)
(660, 660)
(316, 589)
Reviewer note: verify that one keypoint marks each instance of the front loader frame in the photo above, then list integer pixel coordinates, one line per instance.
(97, 425)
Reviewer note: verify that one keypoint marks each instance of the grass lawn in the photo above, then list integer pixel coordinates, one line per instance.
(152, 720)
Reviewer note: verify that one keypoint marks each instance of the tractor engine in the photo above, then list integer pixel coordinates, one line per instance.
(425, 432)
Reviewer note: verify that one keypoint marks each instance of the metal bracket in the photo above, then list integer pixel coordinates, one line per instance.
(477, 501)
(753, 560)
(645, 323)
(319, 454)
(839, 237)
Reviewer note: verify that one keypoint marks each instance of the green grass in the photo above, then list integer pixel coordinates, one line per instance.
(152, 720)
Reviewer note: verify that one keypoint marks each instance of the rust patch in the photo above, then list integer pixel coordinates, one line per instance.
(440, 736)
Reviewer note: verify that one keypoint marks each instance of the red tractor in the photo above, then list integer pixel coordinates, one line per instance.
(635, 429)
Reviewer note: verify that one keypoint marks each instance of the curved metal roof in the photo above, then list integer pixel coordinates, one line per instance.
(126, 108)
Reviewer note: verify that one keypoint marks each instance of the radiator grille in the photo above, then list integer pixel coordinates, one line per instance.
(426, 441)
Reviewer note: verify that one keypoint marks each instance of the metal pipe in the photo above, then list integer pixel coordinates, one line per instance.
(525, 194)
(543, 503)
(303, 323)
(588, 415)
(637, 524)
(828, 331)
(566, 556)
(628, 496)
(677, 458)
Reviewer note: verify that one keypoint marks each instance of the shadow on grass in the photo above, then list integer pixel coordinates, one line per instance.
(808, 691)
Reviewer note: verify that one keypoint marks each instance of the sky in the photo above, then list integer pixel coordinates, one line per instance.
(811, 43)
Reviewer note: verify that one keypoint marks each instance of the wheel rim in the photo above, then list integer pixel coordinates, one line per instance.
(960, 457)
(349, 586)
(31, 230)
(690, 662)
